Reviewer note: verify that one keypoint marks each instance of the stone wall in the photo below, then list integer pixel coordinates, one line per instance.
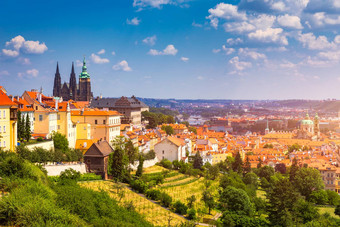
(56, 169)
(46, 145)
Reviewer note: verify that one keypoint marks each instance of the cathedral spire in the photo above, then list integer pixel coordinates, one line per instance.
(72, 72)
(57, 83)
(84, 74)
(57, 71)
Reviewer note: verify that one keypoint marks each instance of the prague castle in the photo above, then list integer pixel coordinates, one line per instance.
(80, 92)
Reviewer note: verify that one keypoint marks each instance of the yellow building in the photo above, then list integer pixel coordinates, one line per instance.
(8, 122)
(219, 156)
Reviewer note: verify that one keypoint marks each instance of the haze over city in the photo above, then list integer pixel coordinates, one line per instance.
(176, 48)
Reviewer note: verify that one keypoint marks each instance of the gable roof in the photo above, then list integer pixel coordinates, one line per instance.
(5, 100)
(99, 149)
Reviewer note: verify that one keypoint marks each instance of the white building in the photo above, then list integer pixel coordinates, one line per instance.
(172, 149)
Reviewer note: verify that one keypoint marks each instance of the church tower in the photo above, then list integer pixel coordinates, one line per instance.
(85, 93)
(57, 83)
(316, 125)
(73, 85)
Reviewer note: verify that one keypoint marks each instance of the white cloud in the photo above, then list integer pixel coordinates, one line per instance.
(227, 50)
(32, 72)
(123, 65)
(169, 50)
(79, 63)
(184, 59)
(270, 35)
(113, 53)
(226, 11)
(28, 46)
(102, 51)
(151, 3)
(34, 47)
(312, 42)
(279, 6)
(288, 65)
(239, 65)
(263, 21)
(134, 21)
(245, 52)
(236, 41)
(24, 61)
(239, 27)
(289, 21)
(150, 40)
(10, 53)
(4, 73)
(215, 51)
(98, 60)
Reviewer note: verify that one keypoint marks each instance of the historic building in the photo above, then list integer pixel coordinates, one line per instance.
(309, 129)
(80, 92)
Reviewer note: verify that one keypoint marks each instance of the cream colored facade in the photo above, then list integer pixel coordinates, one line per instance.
(5, 128)
(45, 122)
(66, 127)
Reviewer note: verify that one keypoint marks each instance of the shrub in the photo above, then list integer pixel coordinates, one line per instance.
(166, 164)
(333, 198)
(153, 194)
(319, 197)
(165, 199)
(40, 139)
(139, 185)
(180, 207)
(192, 214)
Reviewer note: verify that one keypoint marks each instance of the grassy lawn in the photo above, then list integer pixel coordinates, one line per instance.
(329, 210)
(153, 213)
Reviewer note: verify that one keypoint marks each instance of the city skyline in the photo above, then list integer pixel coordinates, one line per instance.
(260, 49)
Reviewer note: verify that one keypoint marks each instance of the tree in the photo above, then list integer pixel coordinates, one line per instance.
(193, 129)
(60, 141)
(198, 161)
(266, 172)
(213, 172)
(293, 169)
(281, 168)
(294, 147)
(259, 164)
(168, 129)
(118, 164)
(337, 210)
(281, 203)
(308, 180)
(139, 171)
(27, 129)
(319, 197)
(207, 196)
(247, 166)
(132, 151)
(19, 127)
(191, 200)
(333, 198)
(237, 165)
(251, 179)
(235, 200)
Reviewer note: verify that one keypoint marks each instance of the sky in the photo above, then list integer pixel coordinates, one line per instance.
(185, 49)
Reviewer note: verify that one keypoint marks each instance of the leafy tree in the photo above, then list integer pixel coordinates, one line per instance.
(237, 165)
(166, 163)
(333, 198)
(305, 211)
(27, 129)
(319, 197)
(213, 172)
(208, 197)
(191, 200)
(180, 207)
(193, 129)
(268, 146)
(60, 141)
(251, 179)
(235, 200)
(259, 164)
(198, 161)
(308, 180)
(281, 203)
(281, 168)
(293, 169)
(132, 151)
(192, 214)
(266, 172)
(185, 123)
(139, 171)
(294, 147)
(20, 126)
(118, 164)
(337, 210)
(168, 129)
(247, 166)
(232, 179)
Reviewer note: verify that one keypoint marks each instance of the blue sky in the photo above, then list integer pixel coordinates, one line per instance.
(248, 49)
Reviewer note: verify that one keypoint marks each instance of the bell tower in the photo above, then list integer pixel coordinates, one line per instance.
(85, 93)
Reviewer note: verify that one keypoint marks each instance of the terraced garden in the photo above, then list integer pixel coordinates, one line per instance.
(152, 212)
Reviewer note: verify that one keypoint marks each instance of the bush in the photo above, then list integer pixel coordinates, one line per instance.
(165, 199)
(192, 214)
(333, 198)
(40, 139)
(139, 185)
(319, 197)
(180, 207)
(166, 164)
(150, 155)
(153, 194)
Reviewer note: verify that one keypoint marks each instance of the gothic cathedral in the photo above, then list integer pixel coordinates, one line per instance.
(80, 92)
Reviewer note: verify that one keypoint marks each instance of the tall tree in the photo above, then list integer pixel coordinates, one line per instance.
(139, 171)
(198, 161)
(118, 164)
(19, 128)
(208, 197)
(247, 166)
(308, 180)
(259, 164)
(27, 128)
(238, 163)
(132, 151)
(293, 169)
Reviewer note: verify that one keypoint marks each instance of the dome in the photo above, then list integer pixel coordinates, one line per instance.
(307, 122)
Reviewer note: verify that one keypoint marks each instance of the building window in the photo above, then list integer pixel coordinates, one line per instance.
(40, 117)
(88, 161)
(95, 122)
(163, 152)
(58, 127)
(5, 144)
(104, 122)
(4, 115)
(4, 130)
(0, 114)
(36, 108)
(58, 117)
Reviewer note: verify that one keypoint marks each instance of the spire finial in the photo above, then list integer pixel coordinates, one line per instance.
(57, 72)
(72, 68)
